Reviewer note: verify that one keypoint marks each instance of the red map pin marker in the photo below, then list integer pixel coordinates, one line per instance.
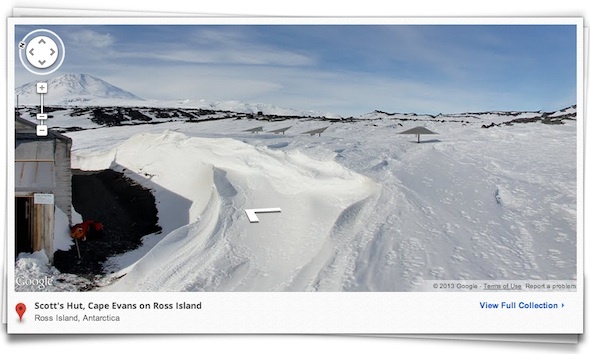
(20, 309)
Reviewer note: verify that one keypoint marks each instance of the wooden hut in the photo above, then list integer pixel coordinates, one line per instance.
(43, 182)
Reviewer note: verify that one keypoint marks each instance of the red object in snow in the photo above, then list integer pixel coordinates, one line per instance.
(88, 228)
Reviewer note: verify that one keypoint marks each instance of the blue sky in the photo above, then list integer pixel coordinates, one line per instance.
(343, 69)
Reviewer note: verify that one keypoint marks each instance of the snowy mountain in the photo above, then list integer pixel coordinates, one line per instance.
(76, 89)
(87, 90)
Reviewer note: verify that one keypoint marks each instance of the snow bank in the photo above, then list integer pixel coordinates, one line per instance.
(33, 273)
(61, 234)
(202, 188)
(468, 203)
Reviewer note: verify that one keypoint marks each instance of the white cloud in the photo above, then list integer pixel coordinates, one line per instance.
(90, 38)
(244, 56)
(304, 88)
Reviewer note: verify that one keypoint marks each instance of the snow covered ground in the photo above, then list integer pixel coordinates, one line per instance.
(362, 207)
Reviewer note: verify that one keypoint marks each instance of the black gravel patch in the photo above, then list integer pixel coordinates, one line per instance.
(126, 209)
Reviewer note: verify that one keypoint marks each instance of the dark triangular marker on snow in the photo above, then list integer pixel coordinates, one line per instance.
(254, 130)
(277, 131)
(316, 131)
(417, 131)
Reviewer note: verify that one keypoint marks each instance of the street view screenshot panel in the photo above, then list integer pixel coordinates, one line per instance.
(263, 175)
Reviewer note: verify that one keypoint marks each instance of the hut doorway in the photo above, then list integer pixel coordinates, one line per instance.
(24, 225)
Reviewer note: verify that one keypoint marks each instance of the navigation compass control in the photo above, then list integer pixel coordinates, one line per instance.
(41, 51)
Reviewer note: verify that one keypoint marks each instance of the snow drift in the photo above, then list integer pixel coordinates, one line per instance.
(363, 208)
(203, 186)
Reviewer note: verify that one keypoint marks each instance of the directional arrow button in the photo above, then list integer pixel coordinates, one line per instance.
(251, 213)
(42, 52)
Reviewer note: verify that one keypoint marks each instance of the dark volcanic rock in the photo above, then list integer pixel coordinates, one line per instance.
(127, 211)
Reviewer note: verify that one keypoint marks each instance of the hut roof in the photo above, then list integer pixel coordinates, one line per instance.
(27, 130)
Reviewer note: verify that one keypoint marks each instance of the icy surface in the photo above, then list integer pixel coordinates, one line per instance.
(363, 208)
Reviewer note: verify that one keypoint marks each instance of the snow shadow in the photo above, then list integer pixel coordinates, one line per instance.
(129, 205)
(171, 207)
(427, 141)
(278, 145)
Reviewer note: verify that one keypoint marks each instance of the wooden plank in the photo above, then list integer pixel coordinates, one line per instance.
(63, 178)
(48, 229)
(37, 227)
(43, 228)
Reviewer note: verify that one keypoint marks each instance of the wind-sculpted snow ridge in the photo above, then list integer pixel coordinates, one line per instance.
(205, 185)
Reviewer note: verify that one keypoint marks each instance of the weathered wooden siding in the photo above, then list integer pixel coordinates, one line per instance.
(63, 177)
(43, 228)
(61, 188)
